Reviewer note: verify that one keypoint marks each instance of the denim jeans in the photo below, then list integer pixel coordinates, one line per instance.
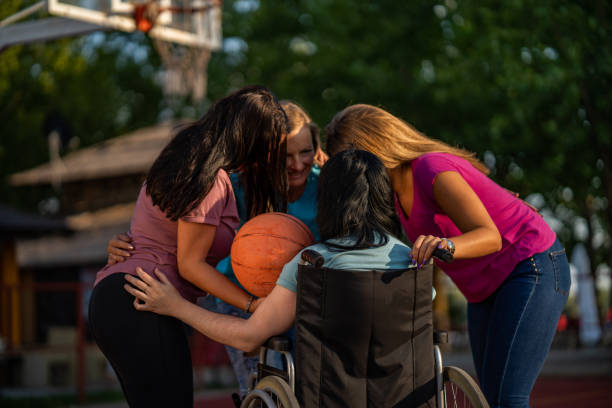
(243, 365)
(512, 330)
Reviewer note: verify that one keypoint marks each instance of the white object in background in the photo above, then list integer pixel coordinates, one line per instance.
(590, 331)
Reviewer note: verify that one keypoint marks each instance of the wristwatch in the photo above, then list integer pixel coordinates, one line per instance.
(450, 246)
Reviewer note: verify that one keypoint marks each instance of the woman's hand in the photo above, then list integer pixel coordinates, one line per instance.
(256, 304)
(119, 248)
(153, 295)
(424, 247)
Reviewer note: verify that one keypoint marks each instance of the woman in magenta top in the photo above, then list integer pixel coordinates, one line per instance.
(184, 223)
(508, 262)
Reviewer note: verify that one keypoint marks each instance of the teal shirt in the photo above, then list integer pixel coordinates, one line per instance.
(304, 208)
(394, 255)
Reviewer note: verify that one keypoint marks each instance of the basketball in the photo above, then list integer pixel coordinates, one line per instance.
(263, 246)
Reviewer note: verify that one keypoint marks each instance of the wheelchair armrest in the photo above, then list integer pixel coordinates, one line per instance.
(278, 343)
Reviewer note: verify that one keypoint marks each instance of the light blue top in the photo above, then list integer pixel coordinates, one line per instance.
(394, 255)
(304, 208)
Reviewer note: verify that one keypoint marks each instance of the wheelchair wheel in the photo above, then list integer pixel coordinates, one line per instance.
(461, 391)
(271, 392)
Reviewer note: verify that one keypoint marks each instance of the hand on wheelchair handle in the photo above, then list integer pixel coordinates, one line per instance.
(443, 255)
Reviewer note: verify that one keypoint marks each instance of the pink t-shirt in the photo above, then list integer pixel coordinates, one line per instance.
(523, 231)
(154, 236)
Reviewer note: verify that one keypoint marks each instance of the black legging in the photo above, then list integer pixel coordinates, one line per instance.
(149, 352)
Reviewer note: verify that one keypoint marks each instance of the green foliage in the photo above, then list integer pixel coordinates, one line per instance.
(70, 77)
(522, 84)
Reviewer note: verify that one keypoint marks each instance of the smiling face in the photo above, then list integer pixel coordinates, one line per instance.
(300, 157)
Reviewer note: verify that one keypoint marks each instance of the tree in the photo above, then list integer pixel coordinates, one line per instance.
(68, 80)
(524, 85)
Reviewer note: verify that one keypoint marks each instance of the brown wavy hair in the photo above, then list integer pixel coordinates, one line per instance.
(298, 117)
(394, 141)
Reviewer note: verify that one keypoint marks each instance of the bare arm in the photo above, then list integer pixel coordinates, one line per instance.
(194, 240)
(456, 198)
(275, 315)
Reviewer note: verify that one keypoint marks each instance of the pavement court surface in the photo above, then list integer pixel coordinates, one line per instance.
(569, 379)
(549, 392)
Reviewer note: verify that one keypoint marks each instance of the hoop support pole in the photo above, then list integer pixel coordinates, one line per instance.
(23, 13)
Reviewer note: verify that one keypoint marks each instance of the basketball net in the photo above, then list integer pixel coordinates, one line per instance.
(185, 67)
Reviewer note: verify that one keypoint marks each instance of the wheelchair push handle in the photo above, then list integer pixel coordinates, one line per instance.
(313, 258)
(443, 255)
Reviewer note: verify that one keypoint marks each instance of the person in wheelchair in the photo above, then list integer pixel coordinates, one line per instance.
(362, 338)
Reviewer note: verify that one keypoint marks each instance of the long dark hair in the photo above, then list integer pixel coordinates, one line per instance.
(355, 199)
(243, 131)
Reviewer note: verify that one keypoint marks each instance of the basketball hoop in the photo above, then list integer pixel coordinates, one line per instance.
(145, 15)
(185, 66)
(184, 32)
(185, 69)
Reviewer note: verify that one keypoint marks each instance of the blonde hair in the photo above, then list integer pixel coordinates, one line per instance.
(394, 141)
(298, 117)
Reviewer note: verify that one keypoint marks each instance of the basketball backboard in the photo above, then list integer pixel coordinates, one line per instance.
(194, 23)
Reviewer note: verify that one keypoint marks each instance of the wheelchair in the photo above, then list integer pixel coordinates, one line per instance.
(342, 316)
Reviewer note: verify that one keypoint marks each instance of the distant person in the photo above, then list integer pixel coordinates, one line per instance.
(303, 158)
(508, 263)
(184, 222)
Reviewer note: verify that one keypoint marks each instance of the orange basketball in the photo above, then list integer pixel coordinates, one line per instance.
(263, 246)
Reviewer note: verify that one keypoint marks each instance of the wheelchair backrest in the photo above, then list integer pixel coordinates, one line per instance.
(364, 338)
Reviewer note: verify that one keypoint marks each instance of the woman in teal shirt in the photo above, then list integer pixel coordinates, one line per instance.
(304, 154)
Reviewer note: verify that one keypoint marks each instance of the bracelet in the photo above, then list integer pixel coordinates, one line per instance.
(450, 245)
(250, 302)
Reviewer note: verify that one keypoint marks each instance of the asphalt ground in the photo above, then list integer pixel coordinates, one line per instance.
(573, 378)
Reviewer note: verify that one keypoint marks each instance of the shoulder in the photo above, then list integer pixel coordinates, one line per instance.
(218, 202)
(437, 162)
(221, 187)
(223, 177)
(312, 183)
(288, 275)
(426, 168)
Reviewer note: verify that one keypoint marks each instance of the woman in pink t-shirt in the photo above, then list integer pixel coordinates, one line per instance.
(184, 223)
(508, 263)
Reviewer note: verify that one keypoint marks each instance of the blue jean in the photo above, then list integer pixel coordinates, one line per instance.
(243, 365)
(512, 330)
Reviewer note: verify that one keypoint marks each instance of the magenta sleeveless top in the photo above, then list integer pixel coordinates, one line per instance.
(523, 231)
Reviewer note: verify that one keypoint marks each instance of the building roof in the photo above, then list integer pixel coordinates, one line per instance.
(17, 224)
(132, 153)
(83, 248)
(93, 230)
